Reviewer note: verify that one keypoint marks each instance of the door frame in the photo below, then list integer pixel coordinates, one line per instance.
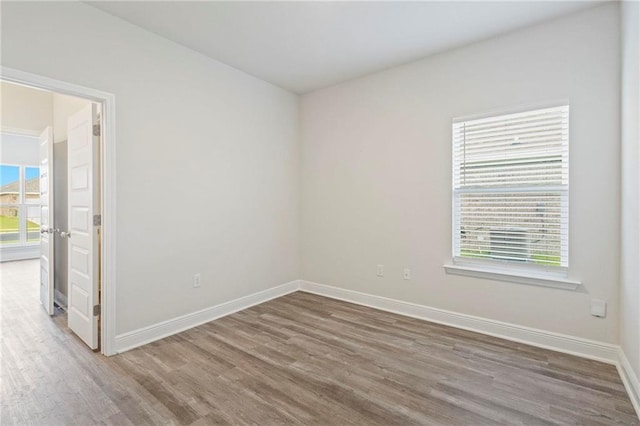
(108, 190)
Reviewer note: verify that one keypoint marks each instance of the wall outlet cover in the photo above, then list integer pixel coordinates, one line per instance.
(406, 274)
(598, 308)
(197, 280)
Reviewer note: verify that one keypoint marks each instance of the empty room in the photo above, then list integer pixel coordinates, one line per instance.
(319, 212)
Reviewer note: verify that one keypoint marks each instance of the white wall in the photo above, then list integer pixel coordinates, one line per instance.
(20, 150)
(376, 172)
(630, 255)
(201, 141)
(15, 100)
(207, 159)
(63, 108)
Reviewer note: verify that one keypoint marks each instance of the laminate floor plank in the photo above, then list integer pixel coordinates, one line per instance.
(300, 359)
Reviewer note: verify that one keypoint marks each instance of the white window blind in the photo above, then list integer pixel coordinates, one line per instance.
(511, 188)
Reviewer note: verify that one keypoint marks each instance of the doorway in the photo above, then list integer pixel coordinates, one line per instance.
(84, 240)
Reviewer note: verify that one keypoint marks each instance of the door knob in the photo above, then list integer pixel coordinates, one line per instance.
(45, 230)
(65, 234)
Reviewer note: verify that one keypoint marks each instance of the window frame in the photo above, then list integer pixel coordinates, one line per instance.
(22, 206)
(508, 270)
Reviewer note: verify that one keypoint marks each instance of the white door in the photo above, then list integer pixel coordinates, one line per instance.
(46, 220)
(83, 193)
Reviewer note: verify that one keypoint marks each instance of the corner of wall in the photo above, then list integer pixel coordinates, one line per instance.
(144, 335)
(630, 380)
(629, 319)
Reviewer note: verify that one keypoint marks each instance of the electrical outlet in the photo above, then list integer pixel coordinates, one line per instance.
(380, 271)
(197, 280)
(406, 274)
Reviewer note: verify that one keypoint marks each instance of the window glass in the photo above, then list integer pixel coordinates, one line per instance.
(32, 185)
(9, 184)
(9, 225)
(33, 224)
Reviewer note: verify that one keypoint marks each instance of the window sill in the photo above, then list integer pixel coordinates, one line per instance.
(512, 277)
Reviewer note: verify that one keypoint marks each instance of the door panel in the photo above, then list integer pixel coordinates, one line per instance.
(46, 220)
(83, 204)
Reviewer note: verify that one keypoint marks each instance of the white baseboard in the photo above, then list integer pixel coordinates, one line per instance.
(142, 336)
(10, 254)
(585, 348)
(60, 298)
(630, 380)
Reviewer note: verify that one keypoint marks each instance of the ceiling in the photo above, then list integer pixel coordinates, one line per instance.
(304, 46)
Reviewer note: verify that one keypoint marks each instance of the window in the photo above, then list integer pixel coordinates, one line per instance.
(511, 191)
(19, 205)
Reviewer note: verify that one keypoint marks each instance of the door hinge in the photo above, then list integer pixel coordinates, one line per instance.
(97, 220)
(96, 310)
(96, 130)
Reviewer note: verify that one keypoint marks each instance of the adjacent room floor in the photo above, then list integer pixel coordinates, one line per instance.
(299, 359)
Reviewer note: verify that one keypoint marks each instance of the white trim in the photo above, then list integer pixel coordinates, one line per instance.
(142, 336)
(460, 187)
(108, 192)
(60, 298)
(512, 110)
(19, 252)
(19, 132)
(599, 351)
(630, 380)
(507, 190)
(512, 277)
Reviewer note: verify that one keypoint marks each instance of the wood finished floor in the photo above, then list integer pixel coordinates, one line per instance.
(299, 359)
